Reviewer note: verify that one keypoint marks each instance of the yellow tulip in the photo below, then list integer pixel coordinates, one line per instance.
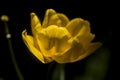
(58, 39)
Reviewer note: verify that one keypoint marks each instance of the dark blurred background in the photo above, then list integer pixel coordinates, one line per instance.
(19, 19)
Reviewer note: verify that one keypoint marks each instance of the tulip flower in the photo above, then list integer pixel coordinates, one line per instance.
(59, 39)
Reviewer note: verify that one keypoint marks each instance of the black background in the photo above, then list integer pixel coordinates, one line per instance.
(96, 12)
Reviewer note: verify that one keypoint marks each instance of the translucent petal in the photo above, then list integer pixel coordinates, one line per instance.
(72, 53)
(85, 38)
(30, 44)
(48, 14)
(85, 29)
(78, 25)
(92, 48)
(58, 19)
(64, 19)
(76, 53)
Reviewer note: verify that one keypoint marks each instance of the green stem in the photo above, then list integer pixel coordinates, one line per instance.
(62, 72)
(50, 70)
(12, 53)
(58, 72)
(14, 61)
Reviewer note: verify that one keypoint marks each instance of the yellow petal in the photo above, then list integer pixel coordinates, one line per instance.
(48, 14)
(54, 20)
(35, 27)
(76, 53)
(64, 19)
(58, 19)
(35, 24)
(78, 25)
(84, 36)
(54, 31)
(46, 46)
(51, 31)
(85, 29)
(43, 41)
(30, 44)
